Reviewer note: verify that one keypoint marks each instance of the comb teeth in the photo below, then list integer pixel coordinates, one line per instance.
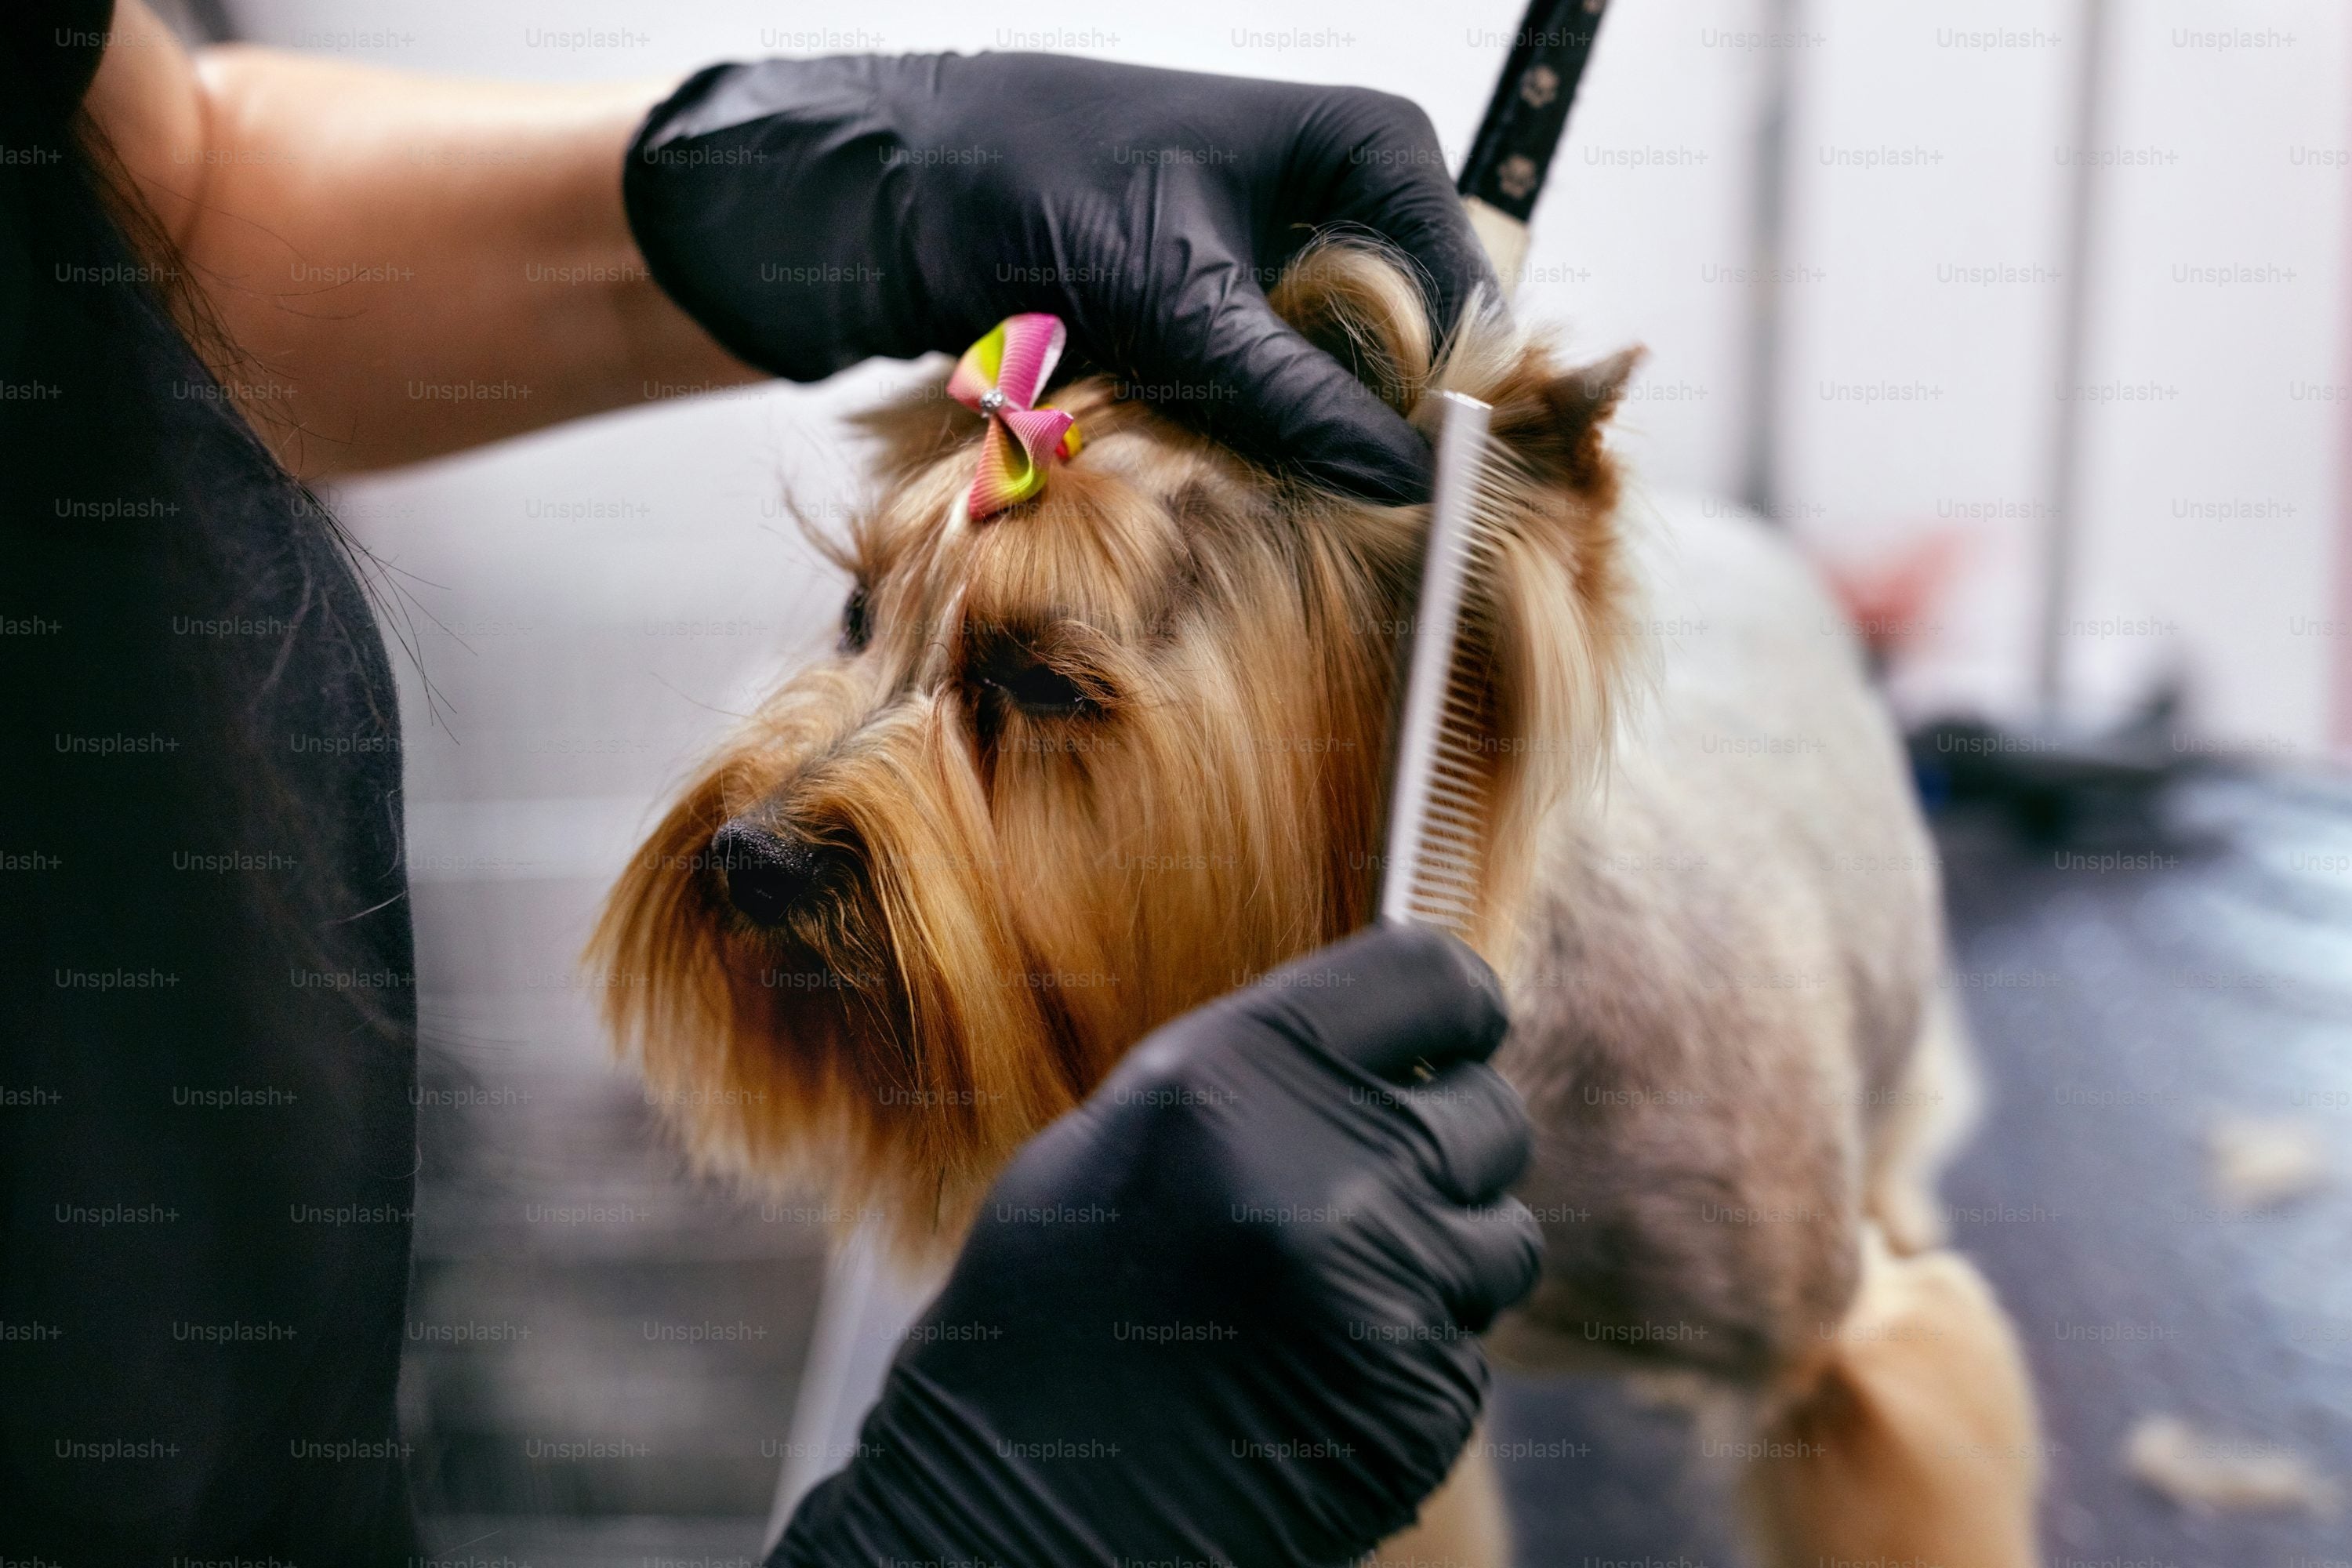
(1441, 783)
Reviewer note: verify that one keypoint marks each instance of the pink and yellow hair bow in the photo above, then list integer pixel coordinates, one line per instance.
(1000, 376)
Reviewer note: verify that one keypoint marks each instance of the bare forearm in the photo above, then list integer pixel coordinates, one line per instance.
(410, 266)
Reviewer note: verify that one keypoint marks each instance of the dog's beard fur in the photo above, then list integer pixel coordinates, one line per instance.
(1100, 758)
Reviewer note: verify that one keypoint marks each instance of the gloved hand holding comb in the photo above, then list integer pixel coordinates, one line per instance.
(1226, 1311)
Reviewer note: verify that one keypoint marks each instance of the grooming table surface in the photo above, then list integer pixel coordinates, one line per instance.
(2118, 1014)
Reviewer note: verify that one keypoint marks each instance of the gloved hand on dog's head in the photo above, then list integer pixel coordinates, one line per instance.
(1224, 1311)
(814, 212)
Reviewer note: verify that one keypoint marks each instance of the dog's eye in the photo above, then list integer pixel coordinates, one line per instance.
(1011, 668)
(856, 622)
(1039, 690)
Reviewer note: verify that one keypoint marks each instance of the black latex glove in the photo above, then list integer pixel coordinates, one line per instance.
(811, 214)
(1222, 1312)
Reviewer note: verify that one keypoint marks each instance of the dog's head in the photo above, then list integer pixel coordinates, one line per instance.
(1087, 762)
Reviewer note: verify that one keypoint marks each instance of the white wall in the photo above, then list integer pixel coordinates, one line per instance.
(1915, 400)
(2246, 431)
(630, 581)
(2201, 174)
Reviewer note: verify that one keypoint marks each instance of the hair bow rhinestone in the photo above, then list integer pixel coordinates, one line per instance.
(1000, 376)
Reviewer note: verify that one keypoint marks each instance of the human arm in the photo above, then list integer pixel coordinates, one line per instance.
(402, 265)
(414, 266)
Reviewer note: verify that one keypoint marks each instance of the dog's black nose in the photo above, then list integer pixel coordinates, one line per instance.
(768, 870)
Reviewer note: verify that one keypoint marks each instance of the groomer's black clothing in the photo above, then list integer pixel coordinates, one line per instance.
(206, 993)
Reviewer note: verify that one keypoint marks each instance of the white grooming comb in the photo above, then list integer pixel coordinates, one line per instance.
(1438, 798)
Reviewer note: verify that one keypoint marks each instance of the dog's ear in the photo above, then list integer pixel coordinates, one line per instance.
(1546, 613)
(1552, 420)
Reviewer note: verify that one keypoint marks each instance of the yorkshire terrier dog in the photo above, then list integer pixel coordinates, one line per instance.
(1110, 751)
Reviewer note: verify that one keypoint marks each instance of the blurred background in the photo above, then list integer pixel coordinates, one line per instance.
(2027, 320)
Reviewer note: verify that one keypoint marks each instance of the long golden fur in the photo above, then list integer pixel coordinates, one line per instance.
(1083, 765)
(1028, 893)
